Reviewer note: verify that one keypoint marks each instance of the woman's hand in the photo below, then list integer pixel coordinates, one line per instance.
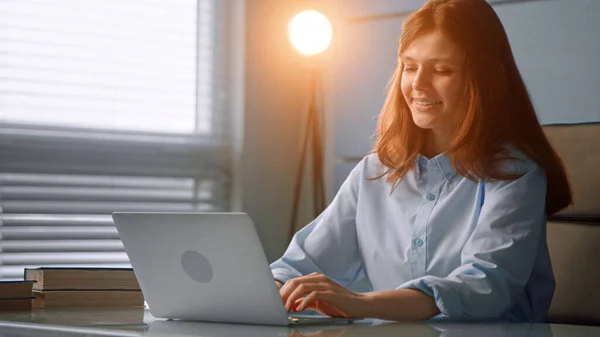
(323, 295)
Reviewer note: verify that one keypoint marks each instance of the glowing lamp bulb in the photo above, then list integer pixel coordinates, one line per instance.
(310, 32)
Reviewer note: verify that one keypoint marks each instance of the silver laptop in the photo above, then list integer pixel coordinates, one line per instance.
(205, 267)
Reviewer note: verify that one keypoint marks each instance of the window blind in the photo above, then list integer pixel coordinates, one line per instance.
(106, 105)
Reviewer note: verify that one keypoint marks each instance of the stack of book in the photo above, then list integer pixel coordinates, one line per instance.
(84, 287)
(15, 295)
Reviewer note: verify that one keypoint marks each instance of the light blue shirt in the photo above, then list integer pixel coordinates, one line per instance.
(479, 249)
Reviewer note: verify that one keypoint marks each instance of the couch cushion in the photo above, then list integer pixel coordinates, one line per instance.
(574, 251)
(578, 145)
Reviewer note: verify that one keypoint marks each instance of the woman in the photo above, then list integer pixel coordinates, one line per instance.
(446, 218)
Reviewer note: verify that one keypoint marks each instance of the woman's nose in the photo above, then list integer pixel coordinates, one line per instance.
(421, 81)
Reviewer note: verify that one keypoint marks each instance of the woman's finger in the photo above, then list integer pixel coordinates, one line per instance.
(322, 301)
(301, 290)
(292, 284)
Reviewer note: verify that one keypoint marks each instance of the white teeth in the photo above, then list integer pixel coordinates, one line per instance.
(425, 102)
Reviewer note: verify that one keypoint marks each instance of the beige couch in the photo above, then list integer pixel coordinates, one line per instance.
(574, 234)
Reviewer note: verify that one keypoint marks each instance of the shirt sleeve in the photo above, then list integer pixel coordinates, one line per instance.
(328, 245)
(499, 256)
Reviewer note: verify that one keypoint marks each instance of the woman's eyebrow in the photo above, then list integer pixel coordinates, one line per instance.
(435, 59)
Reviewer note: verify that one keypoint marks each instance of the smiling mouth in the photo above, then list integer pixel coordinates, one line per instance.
(426, 104)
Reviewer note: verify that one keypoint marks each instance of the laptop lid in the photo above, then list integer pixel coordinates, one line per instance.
(201, 266)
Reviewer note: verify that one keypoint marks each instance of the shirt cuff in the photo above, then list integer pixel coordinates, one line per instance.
(283, 275)
(446, 299)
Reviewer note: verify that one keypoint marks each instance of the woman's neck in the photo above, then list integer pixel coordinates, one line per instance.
(435, 144)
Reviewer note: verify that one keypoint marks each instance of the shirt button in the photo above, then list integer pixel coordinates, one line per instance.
(418, 242)
(448, 176)
(430, 197)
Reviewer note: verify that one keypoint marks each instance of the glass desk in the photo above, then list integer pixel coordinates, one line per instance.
(86, 322)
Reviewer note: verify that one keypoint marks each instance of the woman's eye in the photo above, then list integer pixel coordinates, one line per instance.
(442, 71)
(408, 70)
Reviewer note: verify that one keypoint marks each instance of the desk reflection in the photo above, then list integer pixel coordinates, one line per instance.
(437, 330)
(362, 329)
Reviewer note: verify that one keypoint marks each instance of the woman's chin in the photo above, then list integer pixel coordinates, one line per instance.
(424, 124)
(429, 120)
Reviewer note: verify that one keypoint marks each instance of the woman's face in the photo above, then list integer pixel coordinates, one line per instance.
(431, 82)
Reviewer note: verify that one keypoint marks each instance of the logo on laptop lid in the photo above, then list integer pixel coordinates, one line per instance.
(196, 266)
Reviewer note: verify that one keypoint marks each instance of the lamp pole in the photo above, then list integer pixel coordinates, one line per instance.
(310, 33)
(313, 136)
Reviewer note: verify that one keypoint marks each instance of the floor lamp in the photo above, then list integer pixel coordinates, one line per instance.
(310, 33)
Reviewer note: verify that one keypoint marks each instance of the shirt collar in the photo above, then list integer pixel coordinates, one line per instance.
(443, 161)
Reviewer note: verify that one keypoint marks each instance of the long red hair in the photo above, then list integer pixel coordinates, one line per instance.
(496, 107)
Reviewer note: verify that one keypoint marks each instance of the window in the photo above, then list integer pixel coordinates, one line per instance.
(106, 105)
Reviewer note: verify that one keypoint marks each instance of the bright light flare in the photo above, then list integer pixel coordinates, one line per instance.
(310, 32)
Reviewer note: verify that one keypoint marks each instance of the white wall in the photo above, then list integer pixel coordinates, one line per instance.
(276, 88)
